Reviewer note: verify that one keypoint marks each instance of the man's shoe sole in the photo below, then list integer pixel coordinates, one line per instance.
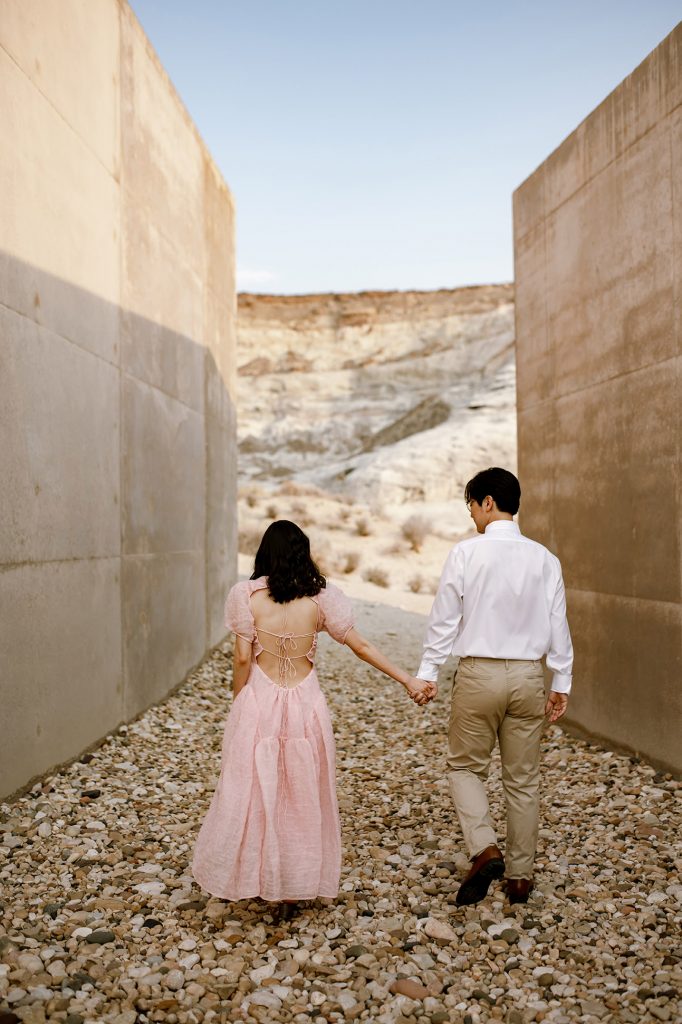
(475, 889)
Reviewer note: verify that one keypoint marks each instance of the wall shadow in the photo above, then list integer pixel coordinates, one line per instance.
(118, 533)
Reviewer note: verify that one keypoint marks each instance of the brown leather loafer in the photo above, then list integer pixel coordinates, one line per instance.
(487, 866)
(519, 889)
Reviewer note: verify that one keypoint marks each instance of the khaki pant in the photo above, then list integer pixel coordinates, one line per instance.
(497, 700)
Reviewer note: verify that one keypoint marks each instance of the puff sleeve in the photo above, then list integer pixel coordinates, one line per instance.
(337, 611)
(238, 615)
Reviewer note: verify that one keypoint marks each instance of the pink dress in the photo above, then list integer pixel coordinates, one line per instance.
(273, 828)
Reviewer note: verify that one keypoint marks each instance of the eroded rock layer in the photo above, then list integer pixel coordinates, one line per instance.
(390, 397)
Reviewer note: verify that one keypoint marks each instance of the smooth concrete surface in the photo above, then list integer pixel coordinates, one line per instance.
(161, 598)
(60, 213)
(117, 377)
(220, 380)
(162, 472)
(62, 686)
(598, 266)
(59, 457)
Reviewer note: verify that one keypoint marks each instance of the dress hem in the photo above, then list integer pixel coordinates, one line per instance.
(320, 894)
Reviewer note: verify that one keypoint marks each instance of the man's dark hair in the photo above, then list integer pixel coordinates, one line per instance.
(500, 484)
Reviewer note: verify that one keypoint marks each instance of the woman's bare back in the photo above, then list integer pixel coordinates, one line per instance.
(287, 634)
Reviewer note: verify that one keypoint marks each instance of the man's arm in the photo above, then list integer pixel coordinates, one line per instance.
(446, 617)
(560, 654)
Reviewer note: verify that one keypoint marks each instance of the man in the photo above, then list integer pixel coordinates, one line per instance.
(500, 607)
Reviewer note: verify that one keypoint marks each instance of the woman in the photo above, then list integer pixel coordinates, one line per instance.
(273, 829)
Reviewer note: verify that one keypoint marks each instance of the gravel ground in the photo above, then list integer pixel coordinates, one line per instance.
(101, 920)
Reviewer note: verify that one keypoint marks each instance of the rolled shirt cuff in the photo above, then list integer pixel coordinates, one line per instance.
(428, 671)
(561, 683)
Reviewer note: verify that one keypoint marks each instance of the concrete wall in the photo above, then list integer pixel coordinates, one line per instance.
(117, 340)
(598, 247)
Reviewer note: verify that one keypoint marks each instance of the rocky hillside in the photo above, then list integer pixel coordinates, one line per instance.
(389, 399)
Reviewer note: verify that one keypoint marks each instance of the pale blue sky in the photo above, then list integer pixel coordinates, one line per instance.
(376, 144)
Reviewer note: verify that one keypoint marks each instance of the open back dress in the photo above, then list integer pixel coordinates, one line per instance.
(272, 829)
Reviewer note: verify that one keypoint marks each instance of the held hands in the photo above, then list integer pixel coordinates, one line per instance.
(421, 691)
(556, 705)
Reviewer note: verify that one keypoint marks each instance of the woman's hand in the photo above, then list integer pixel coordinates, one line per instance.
(421, 691)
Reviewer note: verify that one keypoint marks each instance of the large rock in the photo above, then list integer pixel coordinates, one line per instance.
(440, 930)
(385, 396)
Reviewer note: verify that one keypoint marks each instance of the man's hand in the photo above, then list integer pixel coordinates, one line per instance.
(421, 691)
(556, 705)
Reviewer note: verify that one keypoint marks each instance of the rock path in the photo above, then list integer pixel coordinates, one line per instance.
(100, 919)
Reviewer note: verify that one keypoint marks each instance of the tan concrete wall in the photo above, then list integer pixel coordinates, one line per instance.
(117, 373)
(598, 247)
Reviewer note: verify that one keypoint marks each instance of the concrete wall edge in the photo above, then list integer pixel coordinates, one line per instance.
(127, 11)
(568, 139)
(579, 731)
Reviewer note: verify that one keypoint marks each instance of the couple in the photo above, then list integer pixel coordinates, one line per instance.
(272, 830)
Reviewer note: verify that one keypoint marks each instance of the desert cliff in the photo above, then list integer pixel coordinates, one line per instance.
(361, 412)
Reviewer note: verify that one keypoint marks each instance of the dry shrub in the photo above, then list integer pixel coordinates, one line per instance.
(350, 562)
(250, 488)
(415, 530)
(376, 575)
(362, 527)
(323, 562)
(301, 514)
(289, 487)
(249, 540)
(415, 583)
(271, 512)
(344, 514)
(251, 500)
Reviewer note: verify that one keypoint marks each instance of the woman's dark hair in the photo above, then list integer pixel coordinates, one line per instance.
(500, 484)
(284, 557)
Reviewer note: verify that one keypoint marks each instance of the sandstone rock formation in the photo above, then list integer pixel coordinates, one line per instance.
(395, 397)
(358, 413)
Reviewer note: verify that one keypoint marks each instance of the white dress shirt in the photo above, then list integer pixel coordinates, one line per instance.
(501, 595)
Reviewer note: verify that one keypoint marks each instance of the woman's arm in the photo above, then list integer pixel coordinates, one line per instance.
(419, 689)
(241, 664)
